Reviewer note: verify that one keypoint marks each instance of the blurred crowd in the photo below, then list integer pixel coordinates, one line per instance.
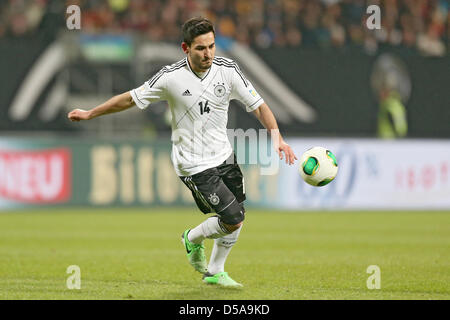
(419, 24)
(20, 18)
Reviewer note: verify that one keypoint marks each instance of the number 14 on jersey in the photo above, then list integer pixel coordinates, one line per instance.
(204, 108)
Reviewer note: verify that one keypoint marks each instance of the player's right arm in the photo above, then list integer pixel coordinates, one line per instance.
(148, 93)
(115, 104)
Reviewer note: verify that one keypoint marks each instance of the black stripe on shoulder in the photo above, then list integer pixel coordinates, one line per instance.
(169, 68)
(166, 69)
(157, 74)
(181, 65)
(178, 62)
(224, 60)
(176, 65)
(232, 64)
(235, 68)
(228, 62)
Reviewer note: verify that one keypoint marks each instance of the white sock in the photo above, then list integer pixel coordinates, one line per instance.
(210, 228)
(221, 249)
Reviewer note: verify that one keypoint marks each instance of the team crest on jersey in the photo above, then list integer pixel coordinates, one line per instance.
(214, 199)
(219, 89)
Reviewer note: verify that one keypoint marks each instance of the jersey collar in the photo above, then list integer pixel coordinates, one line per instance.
(190, 69)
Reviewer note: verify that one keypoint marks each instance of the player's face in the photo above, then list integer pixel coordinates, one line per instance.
(201, 52)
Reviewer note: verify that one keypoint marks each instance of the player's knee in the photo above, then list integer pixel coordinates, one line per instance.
(232, 227)
(232, 217)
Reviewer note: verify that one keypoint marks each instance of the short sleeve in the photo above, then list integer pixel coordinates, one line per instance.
(243, 90)
(151, 91)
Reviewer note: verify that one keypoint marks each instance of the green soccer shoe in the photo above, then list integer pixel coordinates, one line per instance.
(222, 279)
(195, 253)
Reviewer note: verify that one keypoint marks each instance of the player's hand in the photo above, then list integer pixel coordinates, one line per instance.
(289, 154)
(78, 114)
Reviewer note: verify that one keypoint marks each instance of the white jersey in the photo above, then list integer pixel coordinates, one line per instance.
(199, 108)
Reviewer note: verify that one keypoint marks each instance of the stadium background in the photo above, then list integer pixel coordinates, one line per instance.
(314, 61)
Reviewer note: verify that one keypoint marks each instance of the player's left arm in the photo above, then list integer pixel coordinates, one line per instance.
(243, 90)
(267, 119)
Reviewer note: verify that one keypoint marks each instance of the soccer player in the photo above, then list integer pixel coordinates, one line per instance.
(198, 90)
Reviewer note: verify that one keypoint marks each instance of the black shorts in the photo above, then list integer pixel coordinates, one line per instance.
(219, 189)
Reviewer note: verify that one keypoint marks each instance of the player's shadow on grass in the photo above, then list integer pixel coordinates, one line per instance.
(205, 292)
(177, 290)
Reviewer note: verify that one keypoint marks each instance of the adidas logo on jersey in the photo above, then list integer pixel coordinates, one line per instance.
(187, 93)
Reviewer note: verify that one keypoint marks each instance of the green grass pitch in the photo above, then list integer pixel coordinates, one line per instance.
(137, 254)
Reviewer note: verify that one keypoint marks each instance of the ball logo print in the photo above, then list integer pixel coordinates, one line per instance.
(334, 195)
(318, 166)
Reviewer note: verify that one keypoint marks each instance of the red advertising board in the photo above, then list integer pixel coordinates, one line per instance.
(38, 176)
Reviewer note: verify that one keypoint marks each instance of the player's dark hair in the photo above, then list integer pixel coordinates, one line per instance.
(195, 27)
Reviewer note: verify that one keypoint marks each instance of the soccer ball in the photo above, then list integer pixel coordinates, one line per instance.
(318, 166)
